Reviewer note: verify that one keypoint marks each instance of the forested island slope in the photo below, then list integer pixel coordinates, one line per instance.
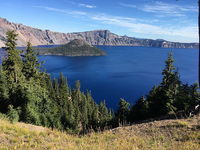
(96, 37)
(76, 47)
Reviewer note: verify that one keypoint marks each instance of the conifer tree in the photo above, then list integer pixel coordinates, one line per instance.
(163, 98)
(170, 84)
(63, 91)
(195, 95)
(95, 117)
(56, 90)
(31, 64)
(103, 114)
(139, 111)
(4, 92)
(77, 93)
(90, 110)
(12, 64)
(123, 111)
(84, 112)
(183, 98)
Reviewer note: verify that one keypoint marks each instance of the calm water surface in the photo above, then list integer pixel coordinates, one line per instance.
(125, 72)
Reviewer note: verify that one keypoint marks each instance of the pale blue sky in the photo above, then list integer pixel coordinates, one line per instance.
(155, 19)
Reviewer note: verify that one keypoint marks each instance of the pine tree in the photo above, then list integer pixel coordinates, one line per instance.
(90, 110)
(103, 114)
(31, 64)
(76, 94)
(95, 117)
(123, 111)
(183, 98)
(195, 95)
(163, 98)
(155, 101)
(4, 92)
(139, 111)
(84, 112)
(12, 64)
(170, 85)
(56, 90)
(63, 91)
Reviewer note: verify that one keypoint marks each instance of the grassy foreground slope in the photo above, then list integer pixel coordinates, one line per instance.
(166, 134)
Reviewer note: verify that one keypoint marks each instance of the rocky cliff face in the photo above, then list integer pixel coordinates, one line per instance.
(97, 37)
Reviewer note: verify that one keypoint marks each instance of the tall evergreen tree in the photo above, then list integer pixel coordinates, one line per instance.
(63, 91)
(123, 111)
(103, 116)
(170, 85)
(31, 64)
(12, 64)
(95, 117)
(163, 98)
(139, 111)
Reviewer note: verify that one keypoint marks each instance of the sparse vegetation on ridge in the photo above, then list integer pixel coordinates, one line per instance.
(181, 134)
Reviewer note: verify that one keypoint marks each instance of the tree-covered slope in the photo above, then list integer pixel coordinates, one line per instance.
(76, 47)
(28, 94)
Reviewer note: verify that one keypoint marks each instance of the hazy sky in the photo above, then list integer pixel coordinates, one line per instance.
(165, 19)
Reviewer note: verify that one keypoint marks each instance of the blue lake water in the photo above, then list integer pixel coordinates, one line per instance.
(125, 72)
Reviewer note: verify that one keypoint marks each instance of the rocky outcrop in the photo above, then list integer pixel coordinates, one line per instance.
(97, 37)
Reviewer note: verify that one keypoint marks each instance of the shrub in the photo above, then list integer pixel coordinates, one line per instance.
(13, 114)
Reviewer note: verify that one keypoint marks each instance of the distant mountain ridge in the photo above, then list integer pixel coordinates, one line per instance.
(96, 37)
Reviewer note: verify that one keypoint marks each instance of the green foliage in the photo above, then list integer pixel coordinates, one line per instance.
(12, 114)
(170, 95)
(3, 116)
(139, 111)
(74, 48)
(4, 92)
(12, 64)
(43, 102)
(123, 111)
(31, 64)
(28, 94)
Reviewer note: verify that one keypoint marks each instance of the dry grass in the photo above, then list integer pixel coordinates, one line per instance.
(166, 134)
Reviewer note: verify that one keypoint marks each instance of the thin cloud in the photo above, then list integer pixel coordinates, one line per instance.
(87, 6)
(165, 9)
(127, 5)
(62, 11)
(73, 3)
(138, 27)
(80, 4)
(132, 24)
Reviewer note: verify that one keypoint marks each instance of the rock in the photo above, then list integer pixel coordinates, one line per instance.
(96, 37)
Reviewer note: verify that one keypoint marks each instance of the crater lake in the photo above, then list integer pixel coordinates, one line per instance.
(125, 72)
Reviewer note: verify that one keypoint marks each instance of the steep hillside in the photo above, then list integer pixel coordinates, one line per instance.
(97, 37)
(166, 134)
(75, 47)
